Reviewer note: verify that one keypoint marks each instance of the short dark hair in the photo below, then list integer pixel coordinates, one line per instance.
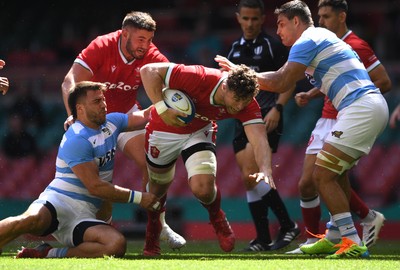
(336, 5)
(295, 8)
(251, 4)
(139, 20)
(242, 80)
(79, 91)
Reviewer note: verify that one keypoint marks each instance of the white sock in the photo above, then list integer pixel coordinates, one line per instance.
(370, 217)
(57, 253)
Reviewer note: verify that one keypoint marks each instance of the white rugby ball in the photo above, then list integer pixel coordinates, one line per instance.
(179, 101)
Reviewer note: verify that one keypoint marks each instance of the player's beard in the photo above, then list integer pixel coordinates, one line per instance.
(137, 53)
(97, 118)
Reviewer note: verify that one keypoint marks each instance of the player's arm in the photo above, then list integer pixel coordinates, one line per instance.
(283, 79)
(138, 119)
(257, 137)
(278, 81)
(381, 79)
(153, 82)
(395, 117)
(77, 73)
(302, 98)
(272, 118)
(88, 173)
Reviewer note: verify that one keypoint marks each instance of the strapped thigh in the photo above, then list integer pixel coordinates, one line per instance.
(332, 162)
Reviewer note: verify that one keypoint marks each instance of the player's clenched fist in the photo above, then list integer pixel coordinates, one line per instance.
(150, 202)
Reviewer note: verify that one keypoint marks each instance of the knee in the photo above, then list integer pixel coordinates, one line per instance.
(203, 190)
(31, 222)
(116, 246)
(307, 187)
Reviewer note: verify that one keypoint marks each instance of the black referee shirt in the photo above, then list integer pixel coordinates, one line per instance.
(264, 53)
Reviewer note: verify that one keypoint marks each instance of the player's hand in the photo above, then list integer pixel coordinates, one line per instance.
(4, 85)
(395, 117)
(170, 117)
(68, 122)
(150, 202)
(272, 119)
(261, 176)
(2, 63)
(302, 99)
(224, 63)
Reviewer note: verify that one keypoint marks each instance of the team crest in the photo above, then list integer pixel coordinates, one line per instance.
(310, 140)
(154, 152)
(337, 134)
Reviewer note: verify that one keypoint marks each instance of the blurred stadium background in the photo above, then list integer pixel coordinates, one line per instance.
(39, 40)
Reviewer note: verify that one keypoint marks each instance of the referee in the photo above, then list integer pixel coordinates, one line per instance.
(261, 52)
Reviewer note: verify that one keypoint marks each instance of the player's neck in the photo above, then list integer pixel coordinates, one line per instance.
(89, 124)
(342, 31)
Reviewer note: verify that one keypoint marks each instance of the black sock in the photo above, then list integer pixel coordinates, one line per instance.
(259, 213)
(273, 200)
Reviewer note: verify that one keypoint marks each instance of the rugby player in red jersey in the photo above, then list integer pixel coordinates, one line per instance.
(216, 95)
(115, 59)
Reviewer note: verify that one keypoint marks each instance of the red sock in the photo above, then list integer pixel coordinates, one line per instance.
(357, 205)
(311, 217)
(214, 207)
(154, 216)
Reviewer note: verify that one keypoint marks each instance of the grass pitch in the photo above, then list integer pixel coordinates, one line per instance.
(204, 255)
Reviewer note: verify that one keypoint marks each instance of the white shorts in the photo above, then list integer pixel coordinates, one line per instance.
(319, 134)
(164, 147)
(70, 213)
(124, 137)
(359, 124)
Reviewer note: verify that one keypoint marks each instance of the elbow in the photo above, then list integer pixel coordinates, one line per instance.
(386, 87)
(145, 69)
(95, 190)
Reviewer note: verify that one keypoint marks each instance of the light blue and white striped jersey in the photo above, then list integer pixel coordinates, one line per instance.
(81, 144)
(332, 66)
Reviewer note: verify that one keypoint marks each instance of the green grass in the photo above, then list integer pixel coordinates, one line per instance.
(204, 255)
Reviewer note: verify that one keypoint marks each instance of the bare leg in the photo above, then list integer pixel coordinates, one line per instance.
(35, 220)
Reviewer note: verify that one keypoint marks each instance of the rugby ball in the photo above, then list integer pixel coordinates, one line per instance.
(179, 101)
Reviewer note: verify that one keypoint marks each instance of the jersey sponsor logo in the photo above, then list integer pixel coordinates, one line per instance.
(154, 152)
(106, 158)
(337, 134)
(122, 86)
(219, 115)
(113, 68)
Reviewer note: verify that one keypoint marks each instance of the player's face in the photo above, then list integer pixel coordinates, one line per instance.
(232, 104)
(286, 30)
(95, 107)
(137, 43)
(251, 21)
(329, 19)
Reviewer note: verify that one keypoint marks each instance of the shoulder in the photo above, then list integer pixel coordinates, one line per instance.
(118, 119)
(106, 40)
(154, 55)
(356, 42)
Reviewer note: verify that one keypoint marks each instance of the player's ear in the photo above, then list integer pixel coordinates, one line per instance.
(342, 17)
(125, 32)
